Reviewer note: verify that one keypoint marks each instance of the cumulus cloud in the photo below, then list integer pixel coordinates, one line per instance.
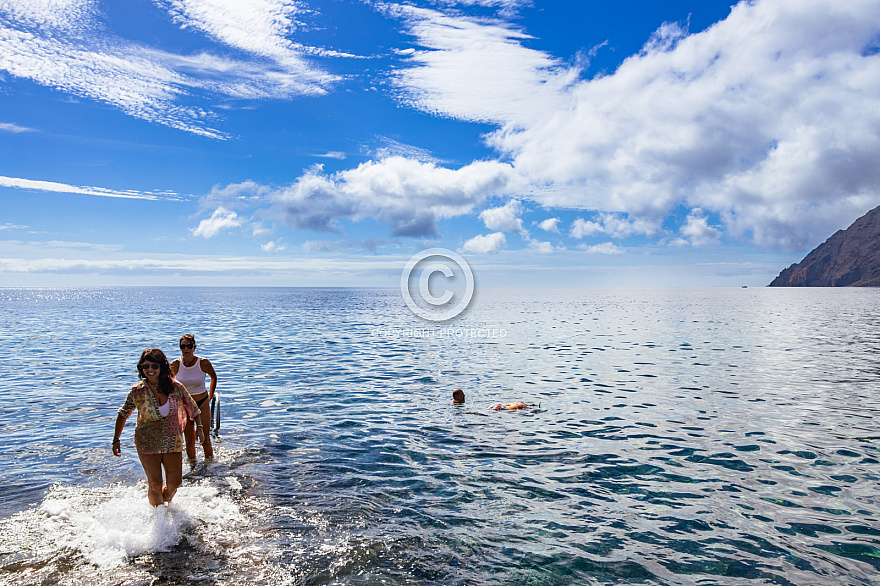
(614, 225)
(221, 219)
(505, 218)
(697, 231)
(582, 228)
(410, 196)
(550, 225)
(485, 244)
(770, 118)
(63, 45)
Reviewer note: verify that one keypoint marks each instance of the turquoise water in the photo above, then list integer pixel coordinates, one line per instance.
(694, 436)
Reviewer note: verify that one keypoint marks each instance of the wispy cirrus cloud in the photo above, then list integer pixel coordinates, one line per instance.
(479, 71)
(51, 186)
(260, 27)
(14, 128)
(63, 45)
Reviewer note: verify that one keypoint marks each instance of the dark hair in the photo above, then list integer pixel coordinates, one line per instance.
(458, 396)
(157, 356)
(188, 337)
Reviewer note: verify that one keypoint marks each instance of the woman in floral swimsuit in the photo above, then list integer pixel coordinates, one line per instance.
(163, 407)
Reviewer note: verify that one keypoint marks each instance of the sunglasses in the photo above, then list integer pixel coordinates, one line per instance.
(150, 366)
(187, 346)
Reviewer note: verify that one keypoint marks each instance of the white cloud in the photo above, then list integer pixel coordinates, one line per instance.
(478, 71)
(237, 196)
(62, 45)
(488, 244)
(617, 226)
(273, 246)
(219, 220)
(770, 118)
(697, 232)
(582, 228)
(51, 186)
(604, 248)
(260, 27)
(550, 225)
(541, 247)
(14, 128)
(11, 226)
(408, 195)
(613, 225)
(338, 155)
(59, 15)
(505, 218)
(388, 147)
(200, 265)
(320, 246)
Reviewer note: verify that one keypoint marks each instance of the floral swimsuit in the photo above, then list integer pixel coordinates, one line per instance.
(154, 434)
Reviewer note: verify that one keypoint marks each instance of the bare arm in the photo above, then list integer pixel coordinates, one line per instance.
(208, 369)
(120, 423)
(175, 367)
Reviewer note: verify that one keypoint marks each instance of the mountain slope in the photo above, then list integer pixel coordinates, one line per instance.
(850, 258)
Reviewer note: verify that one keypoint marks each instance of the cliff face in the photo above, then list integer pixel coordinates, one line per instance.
(850, 258)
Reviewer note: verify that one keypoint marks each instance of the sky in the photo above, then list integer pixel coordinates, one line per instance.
(701, 143)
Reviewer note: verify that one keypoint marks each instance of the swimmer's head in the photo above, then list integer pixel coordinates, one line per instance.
(458, 396)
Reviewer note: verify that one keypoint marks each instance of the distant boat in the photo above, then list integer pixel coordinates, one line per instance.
(745, 286)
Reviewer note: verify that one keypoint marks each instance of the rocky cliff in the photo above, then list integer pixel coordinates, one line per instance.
(850, 258)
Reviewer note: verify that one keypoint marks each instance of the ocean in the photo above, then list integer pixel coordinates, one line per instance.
(678, 436)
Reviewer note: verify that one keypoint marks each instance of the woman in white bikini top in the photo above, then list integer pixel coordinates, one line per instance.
(190, 371)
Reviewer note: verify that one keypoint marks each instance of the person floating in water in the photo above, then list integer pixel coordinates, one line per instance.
(458, 399)
(510, 406)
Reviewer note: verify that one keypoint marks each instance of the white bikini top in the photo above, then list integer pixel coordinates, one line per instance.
(165, 409)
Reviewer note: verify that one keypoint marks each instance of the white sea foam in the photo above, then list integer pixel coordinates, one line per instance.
(109, 525)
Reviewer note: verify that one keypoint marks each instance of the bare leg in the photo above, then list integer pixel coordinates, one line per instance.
(189, 434)
(152, 464)
(173, 464)
(206, 427)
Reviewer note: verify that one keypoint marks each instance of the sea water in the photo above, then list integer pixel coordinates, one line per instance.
(679, 436)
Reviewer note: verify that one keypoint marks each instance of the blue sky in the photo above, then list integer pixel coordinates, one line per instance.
(323, 143)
